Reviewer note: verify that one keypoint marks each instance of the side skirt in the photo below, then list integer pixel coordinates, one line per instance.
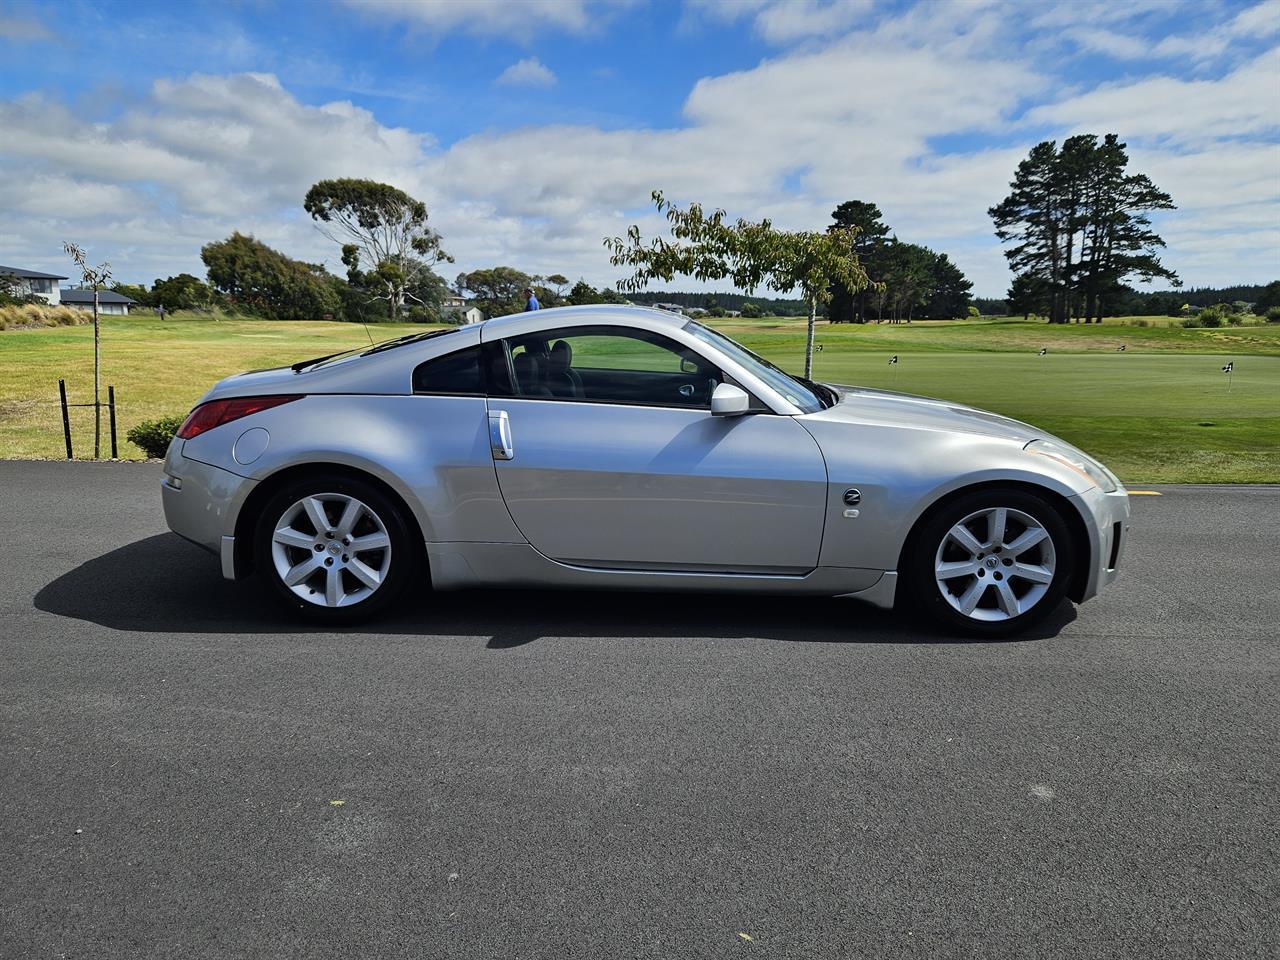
(459, 565)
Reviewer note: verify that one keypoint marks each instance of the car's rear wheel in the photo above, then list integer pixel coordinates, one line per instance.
(335, 548)
(991, 563)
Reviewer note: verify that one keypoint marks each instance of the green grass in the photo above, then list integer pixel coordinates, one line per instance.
(1160, 411)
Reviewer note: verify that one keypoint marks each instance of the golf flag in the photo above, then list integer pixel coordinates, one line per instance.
(894, 358)
(1231, 365)
(819, 348)
(1043, 351)
(1120, 349)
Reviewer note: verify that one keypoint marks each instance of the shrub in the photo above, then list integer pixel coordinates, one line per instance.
(1208, 319)
(154, 436)
(1272, 314)
(1235, 319)
(1192, 321)
(40, 315)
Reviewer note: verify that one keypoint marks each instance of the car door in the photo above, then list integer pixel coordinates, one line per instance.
(607, 455)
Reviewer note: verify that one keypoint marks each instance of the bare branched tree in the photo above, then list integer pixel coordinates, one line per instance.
(94, 278)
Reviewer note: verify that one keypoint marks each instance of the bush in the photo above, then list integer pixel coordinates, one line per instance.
(1192, 321)
(40, 315)
(154, 436)
(1273, 315)
(1208, 319)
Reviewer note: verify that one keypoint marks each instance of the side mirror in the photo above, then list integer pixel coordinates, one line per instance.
(729, 401)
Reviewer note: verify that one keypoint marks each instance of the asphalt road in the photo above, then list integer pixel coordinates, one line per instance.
(186, 773)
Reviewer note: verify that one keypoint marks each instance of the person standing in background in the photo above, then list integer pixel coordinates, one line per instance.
(531, 303)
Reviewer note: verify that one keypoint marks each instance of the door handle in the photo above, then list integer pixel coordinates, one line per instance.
(686, 390)
(500, 435)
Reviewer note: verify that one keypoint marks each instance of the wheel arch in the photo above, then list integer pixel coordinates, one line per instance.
(265, 489)
(1066, 510)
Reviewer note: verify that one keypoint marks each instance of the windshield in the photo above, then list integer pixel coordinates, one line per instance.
(807, 397)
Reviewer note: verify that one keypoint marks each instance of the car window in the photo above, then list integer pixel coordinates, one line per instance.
(456, 373)
(610, 365)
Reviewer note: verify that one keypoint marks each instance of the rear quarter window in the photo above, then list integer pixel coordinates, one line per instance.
(455, 374)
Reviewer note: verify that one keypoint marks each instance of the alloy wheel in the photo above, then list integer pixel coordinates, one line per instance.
(995, 564)
(331, 550)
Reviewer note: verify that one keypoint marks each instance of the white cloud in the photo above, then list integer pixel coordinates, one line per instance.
(529, 72)
(785, 21)
(22, 29)
(517, 19)
(859, 117)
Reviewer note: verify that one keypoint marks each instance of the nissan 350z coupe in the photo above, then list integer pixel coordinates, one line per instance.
(620, 447)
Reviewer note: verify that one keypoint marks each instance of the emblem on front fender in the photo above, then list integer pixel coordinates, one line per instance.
(852, 497)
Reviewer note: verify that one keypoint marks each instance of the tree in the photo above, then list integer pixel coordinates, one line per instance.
(134, 291)
(1028, 294)
(582, 294)
(1078, 222)
(750, 254)
(847, 306)
(95, 278)
(1268, 298)
(252, 275)
(949, 290)
(182, 292)
(751, 310)
(380, 225)
(498, 291)
(558, 282)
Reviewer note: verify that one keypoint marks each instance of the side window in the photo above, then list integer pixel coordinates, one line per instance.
(610, 365)
(455, 374)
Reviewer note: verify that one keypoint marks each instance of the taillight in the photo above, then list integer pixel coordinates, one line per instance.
(217, 412)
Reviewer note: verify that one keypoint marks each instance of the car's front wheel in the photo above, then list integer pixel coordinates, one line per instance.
(335, 548)
(991, 563)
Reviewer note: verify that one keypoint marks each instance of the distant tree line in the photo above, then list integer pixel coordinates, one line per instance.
(1128, 302)
(740, 302)
(908, 281)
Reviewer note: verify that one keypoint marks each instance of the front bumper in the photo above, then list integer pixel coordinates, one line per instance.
(201, 503)
(1106, 520)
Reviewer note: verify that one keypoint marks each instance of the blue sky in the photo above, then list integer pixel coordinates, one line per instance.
(533, 129)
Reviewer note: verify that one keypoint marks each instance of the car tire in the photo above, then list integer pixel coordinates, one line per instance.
(354, 569)
(991, 563)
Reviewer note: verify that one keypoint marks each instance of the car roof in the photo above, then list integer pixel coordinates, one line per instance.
(591, 313)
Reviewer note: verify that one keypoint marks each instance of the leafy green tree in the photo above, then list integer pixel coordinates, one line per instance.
(1076, 220)
(498, 291)
(848, 306)
(183, 292)
(379, 225)
(751, 310)
(1028, 294)
(1268, 298)
(949, 290)
(557, 281)
(750, 254)
(134, 291)
(582, 294)
(252, 275)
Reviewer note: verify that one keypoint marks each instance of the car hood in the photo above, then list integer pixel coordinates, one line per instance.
(887, 408)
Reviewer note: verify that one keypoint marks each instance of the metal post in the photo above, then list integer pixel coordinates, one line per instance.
(111, 408)
(66, 420)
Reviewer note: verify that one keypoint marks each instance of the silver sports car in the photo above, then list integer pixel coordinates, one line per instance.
(620, 447)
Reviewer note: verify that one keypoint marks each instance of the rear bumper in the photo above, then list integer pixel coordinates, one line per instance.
(1106, 520)
(201, 503)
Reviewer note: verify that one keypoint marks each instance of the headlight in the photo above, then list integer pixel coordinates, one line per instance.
(1077, 460)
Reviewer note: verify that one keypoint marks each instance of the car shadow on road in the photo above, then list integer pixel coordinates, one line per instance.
(164, 584)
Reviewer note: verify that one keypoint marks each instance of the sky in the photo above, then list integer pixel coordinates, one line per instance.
(534, 129)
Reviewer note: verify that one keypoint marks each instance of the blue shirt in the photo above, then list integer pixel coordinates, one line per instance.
(533, 304)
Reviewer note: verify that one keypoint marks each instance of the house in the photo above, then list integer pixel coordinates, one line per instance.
(110, 303)
(453, 302)
(33, 283)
